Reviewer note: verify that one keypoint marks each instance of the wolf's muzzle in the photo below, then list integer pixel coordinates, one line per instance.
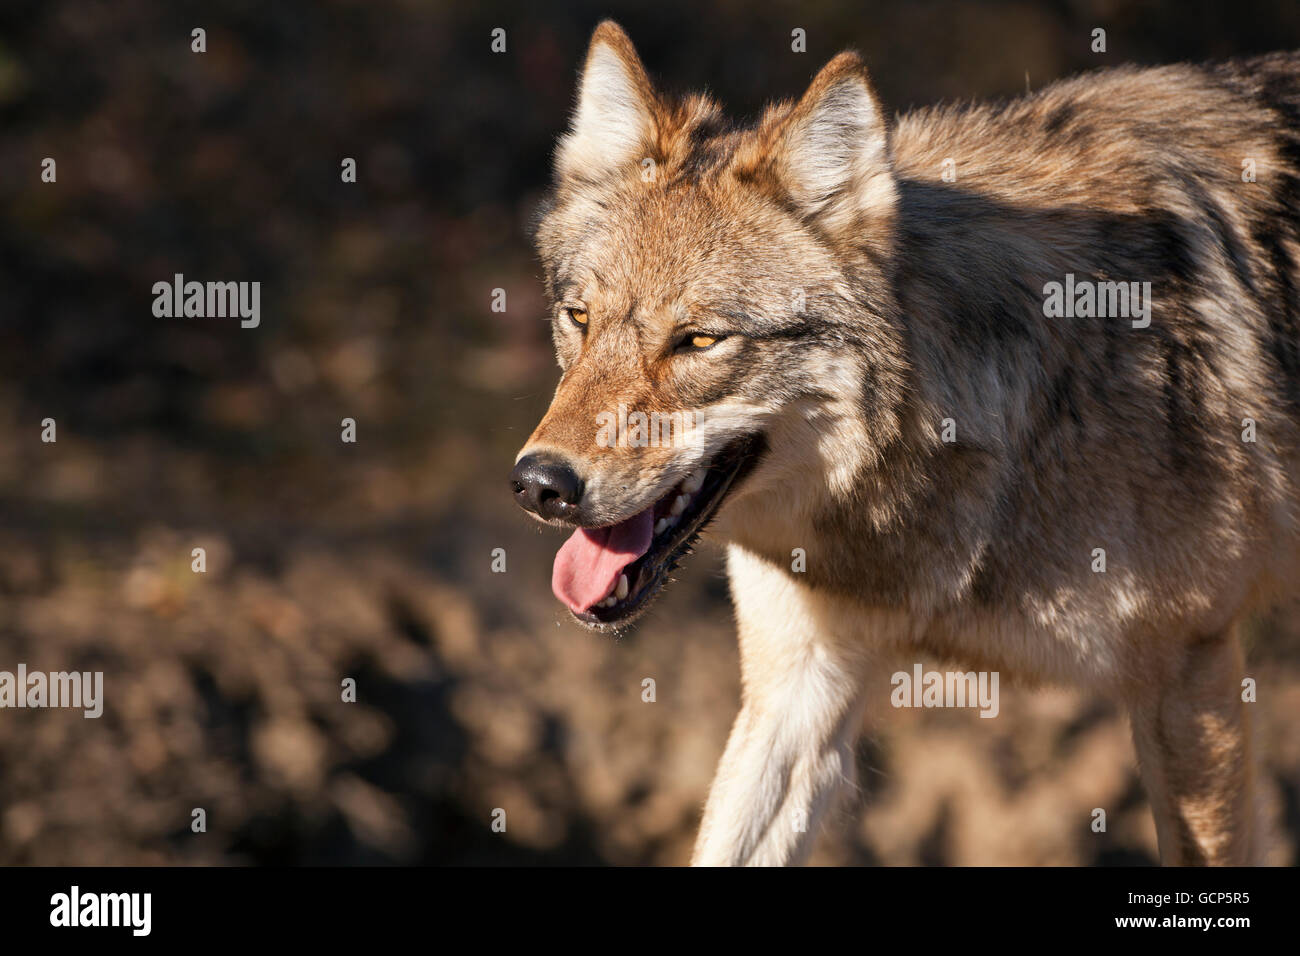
(547, 486)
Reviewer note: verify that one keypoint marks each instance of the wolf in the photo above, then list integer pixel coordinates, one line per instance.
(902, 445)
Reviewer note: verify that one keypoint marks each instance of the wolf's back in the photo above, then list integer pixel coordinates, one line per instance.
(1181, 180)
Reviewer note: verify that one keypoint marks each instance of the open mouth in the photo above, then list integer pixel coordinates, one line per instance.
(608, 576)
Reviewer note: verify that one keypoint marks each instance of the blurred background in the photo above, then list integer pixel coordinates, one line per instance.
(372, 560)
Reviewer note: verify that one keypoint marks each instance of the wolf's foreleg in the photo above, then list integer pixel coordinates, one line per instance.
(791, 748)
(1192, 735)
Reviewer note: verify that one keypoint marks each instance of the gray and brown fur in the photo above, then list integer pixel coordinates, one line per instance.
(923, 301)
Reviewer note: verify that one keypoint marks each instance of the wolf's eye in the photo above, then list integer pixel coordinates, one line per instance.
(697, 342)
(577, 316)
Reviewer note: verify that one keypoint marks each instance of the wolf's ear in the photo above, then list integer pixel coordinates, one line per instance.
(833, 153)
(614, 123)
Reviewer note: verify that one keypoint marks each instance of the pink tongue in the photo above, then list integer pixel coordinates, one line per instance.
(589, 563)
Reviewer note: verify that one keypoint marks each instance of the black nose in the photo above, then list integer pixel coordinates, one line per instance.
(546, 485)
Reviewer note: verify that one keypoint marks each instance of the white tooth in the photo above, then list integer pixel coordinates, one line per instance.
(672, 521)
(608, 602)
(661, 526)
(695, 482)
(620, 592)
(680, 504)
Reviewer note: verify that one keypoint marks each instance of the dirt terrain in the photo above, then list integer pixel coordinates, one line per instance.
(473, 693)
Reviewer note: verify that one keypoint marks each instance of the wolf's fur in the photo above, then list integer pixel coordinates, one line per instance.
(865, 300)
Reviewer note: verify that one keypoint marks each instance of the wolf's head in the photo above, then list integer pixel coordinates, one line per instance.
(721, 313)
